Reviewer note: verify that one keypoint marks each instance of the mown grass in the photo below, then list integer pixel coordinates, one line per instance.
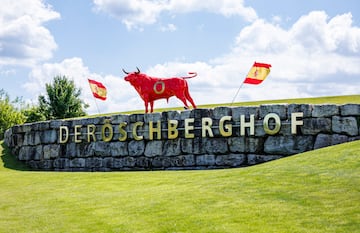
(317, 191)
(316, 100)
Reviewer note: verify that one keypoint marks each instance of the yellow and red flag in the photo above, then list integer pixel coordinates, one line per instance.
(98, 89)
(257, 73)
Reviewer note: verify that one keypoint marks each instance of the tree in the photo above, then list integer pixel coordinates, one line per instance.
(9, 114)
(33, 114)
(62, 100)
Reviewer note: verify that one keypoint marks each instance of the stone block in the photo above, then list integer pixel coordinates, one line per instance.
(51, 151)
(324, 140)
(186, 145)
(136, 148)
(117, 119)
(306, 109)
(350, 110)
(77, 163)
(29, 139)
(236, 144)
(143, 162)
(205, 160)
(26, 153)
(253, 159)
(61, 163)
(38, 152)
(216, 145)
(199, 146)
(161, 162)
(94, 162)
(153, 148)
(102, 149)
(231, 160)
(246, 111)
(9, 137)
(136, 117)
(118, 149)
(128, 161)
(48, 136)
(288, 145)
(45, 165)
(313, 126)
(279, 109)
(245, 144)
(71, 150)
(325, 110)
(41, 126)
(345, 125)
(219, 112)
(187, 160)
(108, 162)
(172, 147)
(171, 115)
(154, 117)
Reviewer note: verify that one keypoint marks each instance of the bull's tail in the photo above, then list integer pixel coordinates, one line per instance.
(191, 75)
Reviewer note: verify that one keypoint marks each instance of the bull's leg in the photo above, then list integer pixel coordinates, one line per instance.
(188, 97)
(146, 106)
(151, 106)
(183, 99)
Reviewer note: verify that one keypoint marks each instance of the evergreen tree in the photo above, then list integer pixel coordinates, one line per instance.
(62, 100)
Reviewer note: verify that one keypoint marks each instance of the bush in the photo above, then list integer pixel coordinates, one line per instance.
(9, 114)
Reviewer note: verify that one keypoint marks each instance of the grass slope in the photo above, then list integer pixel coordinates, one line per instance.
(317, 191)
(316, 100)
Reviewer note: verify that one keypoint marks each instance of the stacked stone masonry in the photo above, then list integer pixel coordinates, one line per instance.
(223, 137)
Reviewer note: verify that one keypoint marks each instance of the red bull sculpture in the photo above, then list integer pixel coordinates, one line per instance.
(151, 88)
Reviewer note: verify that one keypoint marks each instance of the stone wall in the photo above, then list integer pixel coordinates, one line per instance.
(222, 137)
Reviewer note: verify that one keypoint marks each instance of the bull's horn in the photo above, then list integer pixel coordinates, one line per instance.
(125, 71)
(138, 71)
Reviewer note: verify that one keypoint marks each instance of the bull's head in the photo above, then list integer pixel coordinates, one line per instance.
(131, 76)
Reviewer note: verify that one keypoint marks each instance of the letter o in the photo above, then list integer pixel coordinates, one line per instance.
(162, 87)
(277, 124)
(107, 127)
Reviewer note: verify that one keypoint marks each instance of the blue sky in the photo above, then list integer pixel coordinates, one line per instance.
(313, 47)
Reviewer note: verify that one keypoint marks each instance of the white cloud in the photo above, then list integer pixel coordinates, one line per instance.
(136, 13)
(168, 28)
(316, 56)
(119, 92)
(23, 38)
(313, 57)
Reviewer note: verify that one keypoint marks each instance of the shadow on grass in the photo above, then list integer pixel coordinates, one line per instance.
(10, 161)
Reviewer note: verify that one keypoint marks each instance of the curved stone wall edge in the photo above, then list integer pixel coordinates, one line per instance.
(223, 137)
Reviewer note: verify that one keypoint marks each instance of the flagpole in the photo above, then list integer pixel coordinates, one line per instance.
(97, 107)
(237, 93)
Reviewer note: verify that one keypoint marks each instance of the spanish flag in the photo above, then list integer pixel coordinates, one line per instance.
(257, 73)
(98, 89)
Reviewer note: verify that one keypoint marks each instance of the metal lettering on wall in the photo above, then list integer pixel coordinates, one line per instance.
(87, 133)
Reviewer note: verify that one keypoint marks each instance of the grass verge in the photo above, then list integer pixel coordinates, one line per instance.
(317, 191)
(316, 100)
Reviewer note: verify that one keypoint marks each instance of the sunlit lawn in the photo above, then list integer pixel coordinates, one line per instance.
(317, 191)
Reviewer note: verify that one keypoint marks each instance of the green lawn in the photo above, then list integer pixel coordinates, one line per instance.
(315, 100)
(317, 191)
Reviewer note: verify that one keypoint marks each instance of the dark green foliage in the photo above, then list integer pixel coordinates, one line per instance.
(62, 100)
(33, 114)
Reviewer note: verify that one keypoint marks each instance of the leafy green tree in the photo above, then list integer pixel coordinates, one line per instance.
(9, 114)
(62, 100)
(33, 114)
